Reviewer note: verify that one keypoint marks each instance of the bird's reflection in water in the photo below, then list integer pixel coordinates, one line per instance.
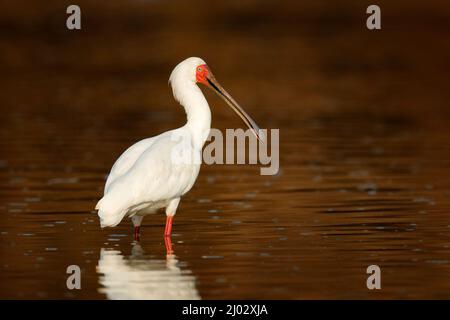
(140, 277)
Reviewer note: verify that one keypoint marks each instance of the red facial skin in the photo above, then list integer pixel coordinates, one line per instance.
(201, 74)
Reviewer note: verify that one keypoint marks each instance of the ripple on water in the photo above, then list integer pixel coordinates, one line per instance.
(438, 261)
(71, 180)
(244, 254)
(211, 257)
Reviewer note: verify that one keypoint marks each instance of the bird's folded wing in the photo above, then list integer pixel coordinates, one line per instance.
(127, 160)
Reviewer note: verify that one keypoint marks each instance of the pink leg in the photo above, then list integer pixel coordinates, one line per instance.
(168, 243)
(168, 230)
(136, 233)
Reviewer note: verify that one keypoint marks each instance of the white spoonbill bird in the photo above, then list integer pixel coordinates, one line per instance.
(149, 176)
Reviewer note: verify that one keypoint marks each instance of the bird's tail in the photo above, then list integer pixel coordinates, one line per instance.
(109, 216)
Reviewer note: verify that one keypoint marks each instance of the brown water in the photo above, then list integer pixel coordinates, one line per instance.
(364, 129)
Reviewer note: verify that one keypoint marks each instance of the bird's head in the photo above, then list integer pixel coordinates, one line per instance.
(196, 70)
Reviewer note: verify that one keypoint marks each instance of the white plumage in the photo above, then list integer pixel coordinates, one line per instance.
(156, 172)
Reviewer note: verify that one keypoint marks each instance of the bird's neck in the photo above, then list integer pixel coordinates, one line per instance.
(197, 111)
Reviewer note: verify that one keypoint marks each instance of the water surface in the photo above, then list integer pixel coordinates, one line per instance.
(364, 168)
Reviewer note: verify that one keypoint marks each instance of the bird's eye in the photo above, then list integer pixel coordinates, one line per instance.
(199, 69)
